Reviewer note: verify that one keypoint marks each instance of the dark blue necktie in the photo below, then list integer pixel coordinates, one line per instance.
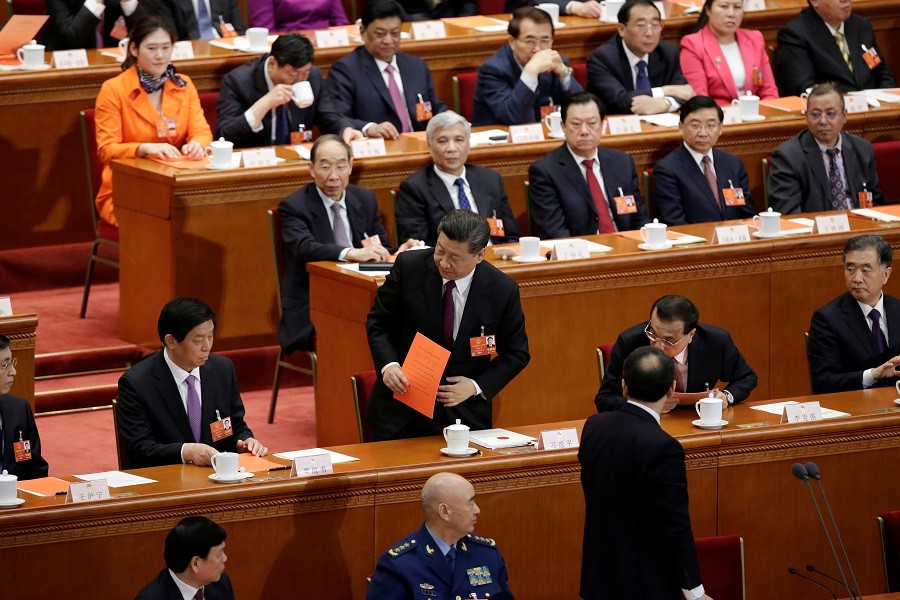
(642, 84)
(282, 127)
(877, 333)
(451, 558)
(461, 193)
(204, 23)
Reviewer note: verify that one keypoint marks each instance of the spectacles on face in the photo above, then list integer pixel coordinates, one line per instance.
(531, 42)
(831, 115)
(696, 126)
(11, 363)
(339, 168)
(656, 339)
(643, 26)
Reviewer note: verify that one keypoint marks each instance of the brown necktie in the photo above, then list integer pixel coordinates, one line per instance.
(711, 179)
(199, 594)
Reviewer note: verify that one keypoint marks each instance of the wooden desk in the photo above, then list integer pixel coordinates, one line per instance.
(20, 329)
(324, 535)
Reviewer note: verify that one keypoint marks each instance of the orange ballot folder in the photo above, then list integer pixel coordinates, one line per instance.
(423, 367)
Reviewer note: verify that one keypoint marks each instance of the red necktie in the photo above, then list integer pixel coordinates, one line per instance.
(711, 180)
(606, 224)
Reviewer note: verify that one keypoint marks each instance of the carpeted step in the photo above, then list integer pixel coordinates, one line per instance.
(87, 360)
(51, 267)
(80, 391)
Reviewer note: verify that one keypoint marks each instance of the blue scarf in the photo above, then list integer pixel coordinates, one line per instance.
(153, 84)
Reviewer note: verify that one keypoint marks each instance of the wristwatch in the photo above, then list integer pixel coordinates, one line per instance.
(567, 73)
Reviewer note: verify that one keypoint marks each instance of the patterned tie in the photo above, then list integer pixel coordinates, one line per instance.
(193, 407)
(842, 46)
(340, 231)
(711, 179)
(606, 224)
(204, 23)
(397, 99)
(449, 313)
(461, 194)
(680, 372)
(199, 595)
(642, 84)
(877, 333)
(839, 199)
(451, 558)
(282, 126)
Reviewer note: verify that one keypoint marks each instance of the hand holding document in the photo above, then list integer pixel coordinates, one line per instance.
(423, 368)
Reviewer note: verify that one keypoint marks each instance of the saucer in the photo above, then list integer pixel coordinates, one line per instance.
(43, 67)
(556, 137)
(468, 452)
(522, 259)
(897, 401)
(218, 168)
(759, 234)
(11, 503)
(231, 479)
(649, 247)
(755, 119)
(701, 425)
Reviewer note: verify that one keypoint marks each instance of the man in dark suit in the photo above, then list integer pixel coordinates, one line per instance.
(634, 72)
(854, 340)
(453, 297)
(195, 564)
(327, 219)
(443, 559)
(568, 198)
(20, 443)
(434, 190)
(429, 10)
(644, 547)
(696, 182)
(204, 22)
(376, 88)
(823, 168)
(256, 105)
(182, 404)
(812, 48)
(525, 77)
(703, 355)
(72, 24)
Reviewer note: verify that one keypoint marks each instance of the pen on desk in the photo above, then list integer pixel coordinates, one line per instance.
(284, 468)
(61, 493)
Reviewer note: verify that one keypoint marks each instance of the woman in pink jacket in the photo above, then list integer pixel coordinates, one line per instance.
(721, 60)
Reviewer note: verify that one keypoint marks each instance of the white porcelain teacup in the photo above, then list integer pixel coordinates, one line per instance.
(258, 38)
(654, 234)
(31, 55)
(8, 487)
(749, 105)
(709, 410)
(220, 151)
(457, 437)
(553, 122)
(529, 247)
(768, 222)
(225, 464)
(303, 94)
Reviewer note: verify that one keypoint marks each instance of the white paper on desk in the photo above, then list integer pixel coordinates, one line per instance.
(873, 213)
(878, 94)
(499, 27)
(807, 226)
(355, 268)
(663, 120)
(483, 138)
(303, 151)
(113, 54)
(336, 457)
(116, 478)
(777, 408)
(499, 438)
(683, 239)
(547, 245)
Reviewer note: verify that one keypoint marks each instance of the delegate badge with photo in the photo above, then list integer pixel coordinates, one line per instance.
(625, 204)
(423, 109)
(496, 226)
(483, 345)
(221, 428)
(865, 199)
(734, 196)
(870, 55)
(22, 449)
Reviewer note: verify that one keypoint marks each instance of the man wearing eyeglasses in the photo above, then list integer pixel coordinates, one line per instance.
(20, 444)
(696, 182)
(525, 79)
(634, 72)
(822, 168)
(703, 356)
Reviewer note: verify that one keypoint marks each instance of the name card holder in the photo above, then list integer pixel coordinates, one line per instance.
(732, 115)
(5, 306)
(623, 125)
(533, 132)
(69, 59)
(368, 147)
(182, 50)
(428, 30)
(731, 234)
(801, 412)
(558, 439)
(856, 103)
(570, 250)
(836, 223)
(310, 466)
(259, 157)
(87, 491)
(332, 38)
(754, 5)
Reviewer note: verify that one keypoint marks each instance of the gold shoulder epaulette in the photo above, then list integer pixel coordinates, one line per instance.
(402, 548)
(483, 540)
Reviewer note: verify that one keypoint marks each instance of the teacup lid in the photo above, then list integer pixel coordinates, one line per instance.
(219, 143)
(458, 425)
(5, 476)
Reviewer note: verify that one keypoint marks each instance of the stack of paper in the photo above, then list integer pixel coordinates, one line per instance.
(499, 438)
(777, 408)
(336, 457)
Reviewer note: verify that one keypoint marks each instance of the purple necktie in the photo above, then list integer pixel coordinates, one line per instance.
(340, 231)
(449, 313)
(397, 99)
(193, 407)
(877, 333)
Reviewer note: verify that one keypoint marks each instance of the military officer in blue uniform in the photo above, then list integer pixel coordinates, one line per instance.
(444, 559)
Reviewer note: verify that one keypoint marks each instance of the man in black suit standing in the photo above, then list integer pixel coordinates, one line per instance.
(434, 190)
(582, 188)
(825, 42)
(702, 354)
(72, 24)
(20, 443)
(696, 182)
(195, 564)
(201, 19)
(644, 547)
(822, 168)
(634, 72)
(854, 340)
(182, 404)
(453, 297)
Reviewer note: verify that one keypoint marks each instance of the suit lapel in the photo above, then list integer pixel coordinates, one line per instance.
(411, 91)
(697, 178)
(479, 295)
(627, 76)
(210, 393)
(190, 18)
(860, 68)
(892, 312)
(357, 218)
(439, 191)
(697, 358)
(375, 78)
(437, 561)
(850, 160)
(856, 322)
(170, 397)
(820, 31)
(573, 173)
(321, 226)
(817, 166)
(482, 202)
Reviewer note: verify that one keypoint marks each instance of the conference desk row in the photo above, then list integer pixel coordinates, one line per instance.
(320, 537)
(40, 138)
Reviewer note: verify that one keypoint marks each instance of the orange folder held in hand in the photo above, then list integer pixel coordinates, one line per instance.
(423, 367)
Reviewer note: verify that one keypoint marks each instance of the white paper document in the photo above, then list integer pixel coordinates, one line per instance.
(336, 457)
(683, 239)
(777, 408)
(483, 138)
(874, 213)
(499, 438)
(116, 478)
(355, 268)
(663, 120)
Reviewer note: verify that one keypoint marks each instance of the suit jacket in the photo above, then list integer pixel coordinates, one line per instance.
(153, 422)
(682, 195)
(561, 203)
(241, 88)
(643, 547)
(416, 564)
(355, 92)
(841, 346)
(163, 588)
(502, 98)
(712, 357)
(307, 236)
(706, 69)
(181, 13)
(424, 200)
(126, 118)
(71, 25)
(798, 181)
(609, 75)
(808, 54)
(409, 302)
(423, 10)
(17, 419)
(296, 15)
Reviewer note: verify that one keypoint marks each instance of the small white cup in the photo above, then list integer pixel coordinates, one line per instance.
(220, 151)
(610, 10)
(654, 234)
(897, 386)
(123, 47)
(8, 487)
(709, 410)
(551, 9)
(749, 106)
(303, 94)
(225, 464)
(31, 55)
(553, 122)
(258, 38)
(768, 222)
(529, 247)
(457, 437)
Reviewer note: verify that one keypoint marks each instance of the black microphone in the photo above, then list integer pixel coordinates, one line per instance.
(813, 470)
(812, 569)
(799, 471)
(794, 571)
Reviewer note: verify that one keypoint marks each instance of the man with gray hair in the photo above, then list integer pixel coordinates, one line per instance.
(434, 190)
(451, 295)
(443, 559)
(854, 340)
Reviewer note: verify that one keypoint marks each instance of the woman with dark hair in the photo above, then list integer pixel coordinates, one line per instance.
(148, 109)
(723, 61)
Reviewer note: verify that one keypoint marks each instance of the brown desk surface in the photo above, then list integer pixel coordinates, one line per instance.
(328, 532)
